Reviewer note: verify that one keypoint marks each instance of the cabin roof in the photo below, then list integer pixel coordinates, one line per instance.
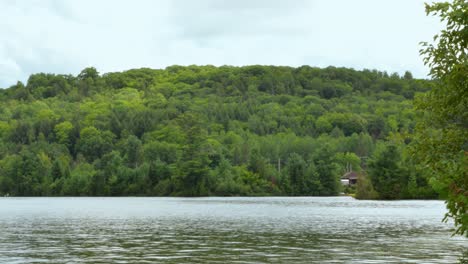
(351, 175)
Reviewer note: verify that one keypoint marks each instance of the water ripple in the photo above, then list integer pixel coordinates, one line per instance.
(220, 230)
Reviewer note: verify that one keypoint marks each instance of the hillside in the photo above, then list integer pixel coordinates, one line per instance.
(205, 130)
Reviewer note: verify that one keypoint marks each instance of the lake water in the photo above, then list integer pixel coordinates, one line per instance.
(225, 230)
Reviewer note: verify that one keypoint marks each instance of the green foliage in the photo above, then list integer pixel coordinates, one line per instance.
(79, 182)
(328, 171)
(296, 171)
(94, 143)
(385, 171)
(442, 132)
(348, 161)
(365, 189)
(392, 174)
(202, 130)
(63, 132)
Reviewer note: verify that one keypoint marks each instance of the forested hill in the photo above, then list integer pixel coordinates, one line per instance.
(205, 130)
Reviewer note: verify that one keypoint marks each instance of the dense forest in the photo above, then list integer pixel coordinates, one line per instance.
(205, 130)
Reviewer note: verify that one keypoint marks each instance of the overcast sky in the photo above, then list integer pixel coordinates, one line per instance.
(66, 36)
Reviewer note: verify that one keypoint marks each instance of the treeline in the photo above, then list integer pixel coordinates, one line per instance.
(205, 130)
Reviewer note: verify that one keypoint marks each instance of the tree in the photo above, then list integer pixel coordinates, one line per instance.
(442, 133)
(364, 188)
(106, 180)
(195, 161)
(22, 133)
(132, 149)
(94, 143)
(202, 130)
(62, 132)
(80, 181)
(408, 75)
(60, 172)
(328, 171)
(89, 72)
(385, 172)
(348, 161)
(296, 170)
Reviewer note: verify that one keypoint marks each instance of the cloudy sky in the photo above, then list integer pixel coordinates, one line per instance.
(61, 36)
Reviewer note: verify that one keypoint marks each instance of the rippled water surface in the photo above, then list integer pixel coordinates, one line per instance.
(225, 230)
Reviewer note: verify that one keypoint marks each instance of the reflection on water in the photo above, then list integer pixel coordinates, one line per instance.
(220, 230)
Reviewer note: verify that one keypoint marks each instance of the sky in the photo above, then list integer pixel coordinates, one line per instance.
(66, 36)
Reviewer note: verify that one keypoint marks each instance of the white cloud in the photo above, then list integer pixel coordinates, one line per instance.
(66, 36)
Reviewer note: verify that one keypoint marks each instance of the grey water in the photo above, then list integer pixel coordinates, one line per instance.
(225, 230)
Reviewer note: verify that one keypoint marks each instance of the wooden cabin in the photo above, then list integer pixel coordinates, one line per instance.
(349, 178)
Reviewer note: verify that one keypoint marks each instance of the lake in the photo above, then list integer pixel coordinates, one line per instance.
(225, 230)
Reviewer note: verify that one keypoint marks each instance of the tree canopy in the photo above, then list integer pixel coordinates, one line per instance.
(442, 133)
(205, 130)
